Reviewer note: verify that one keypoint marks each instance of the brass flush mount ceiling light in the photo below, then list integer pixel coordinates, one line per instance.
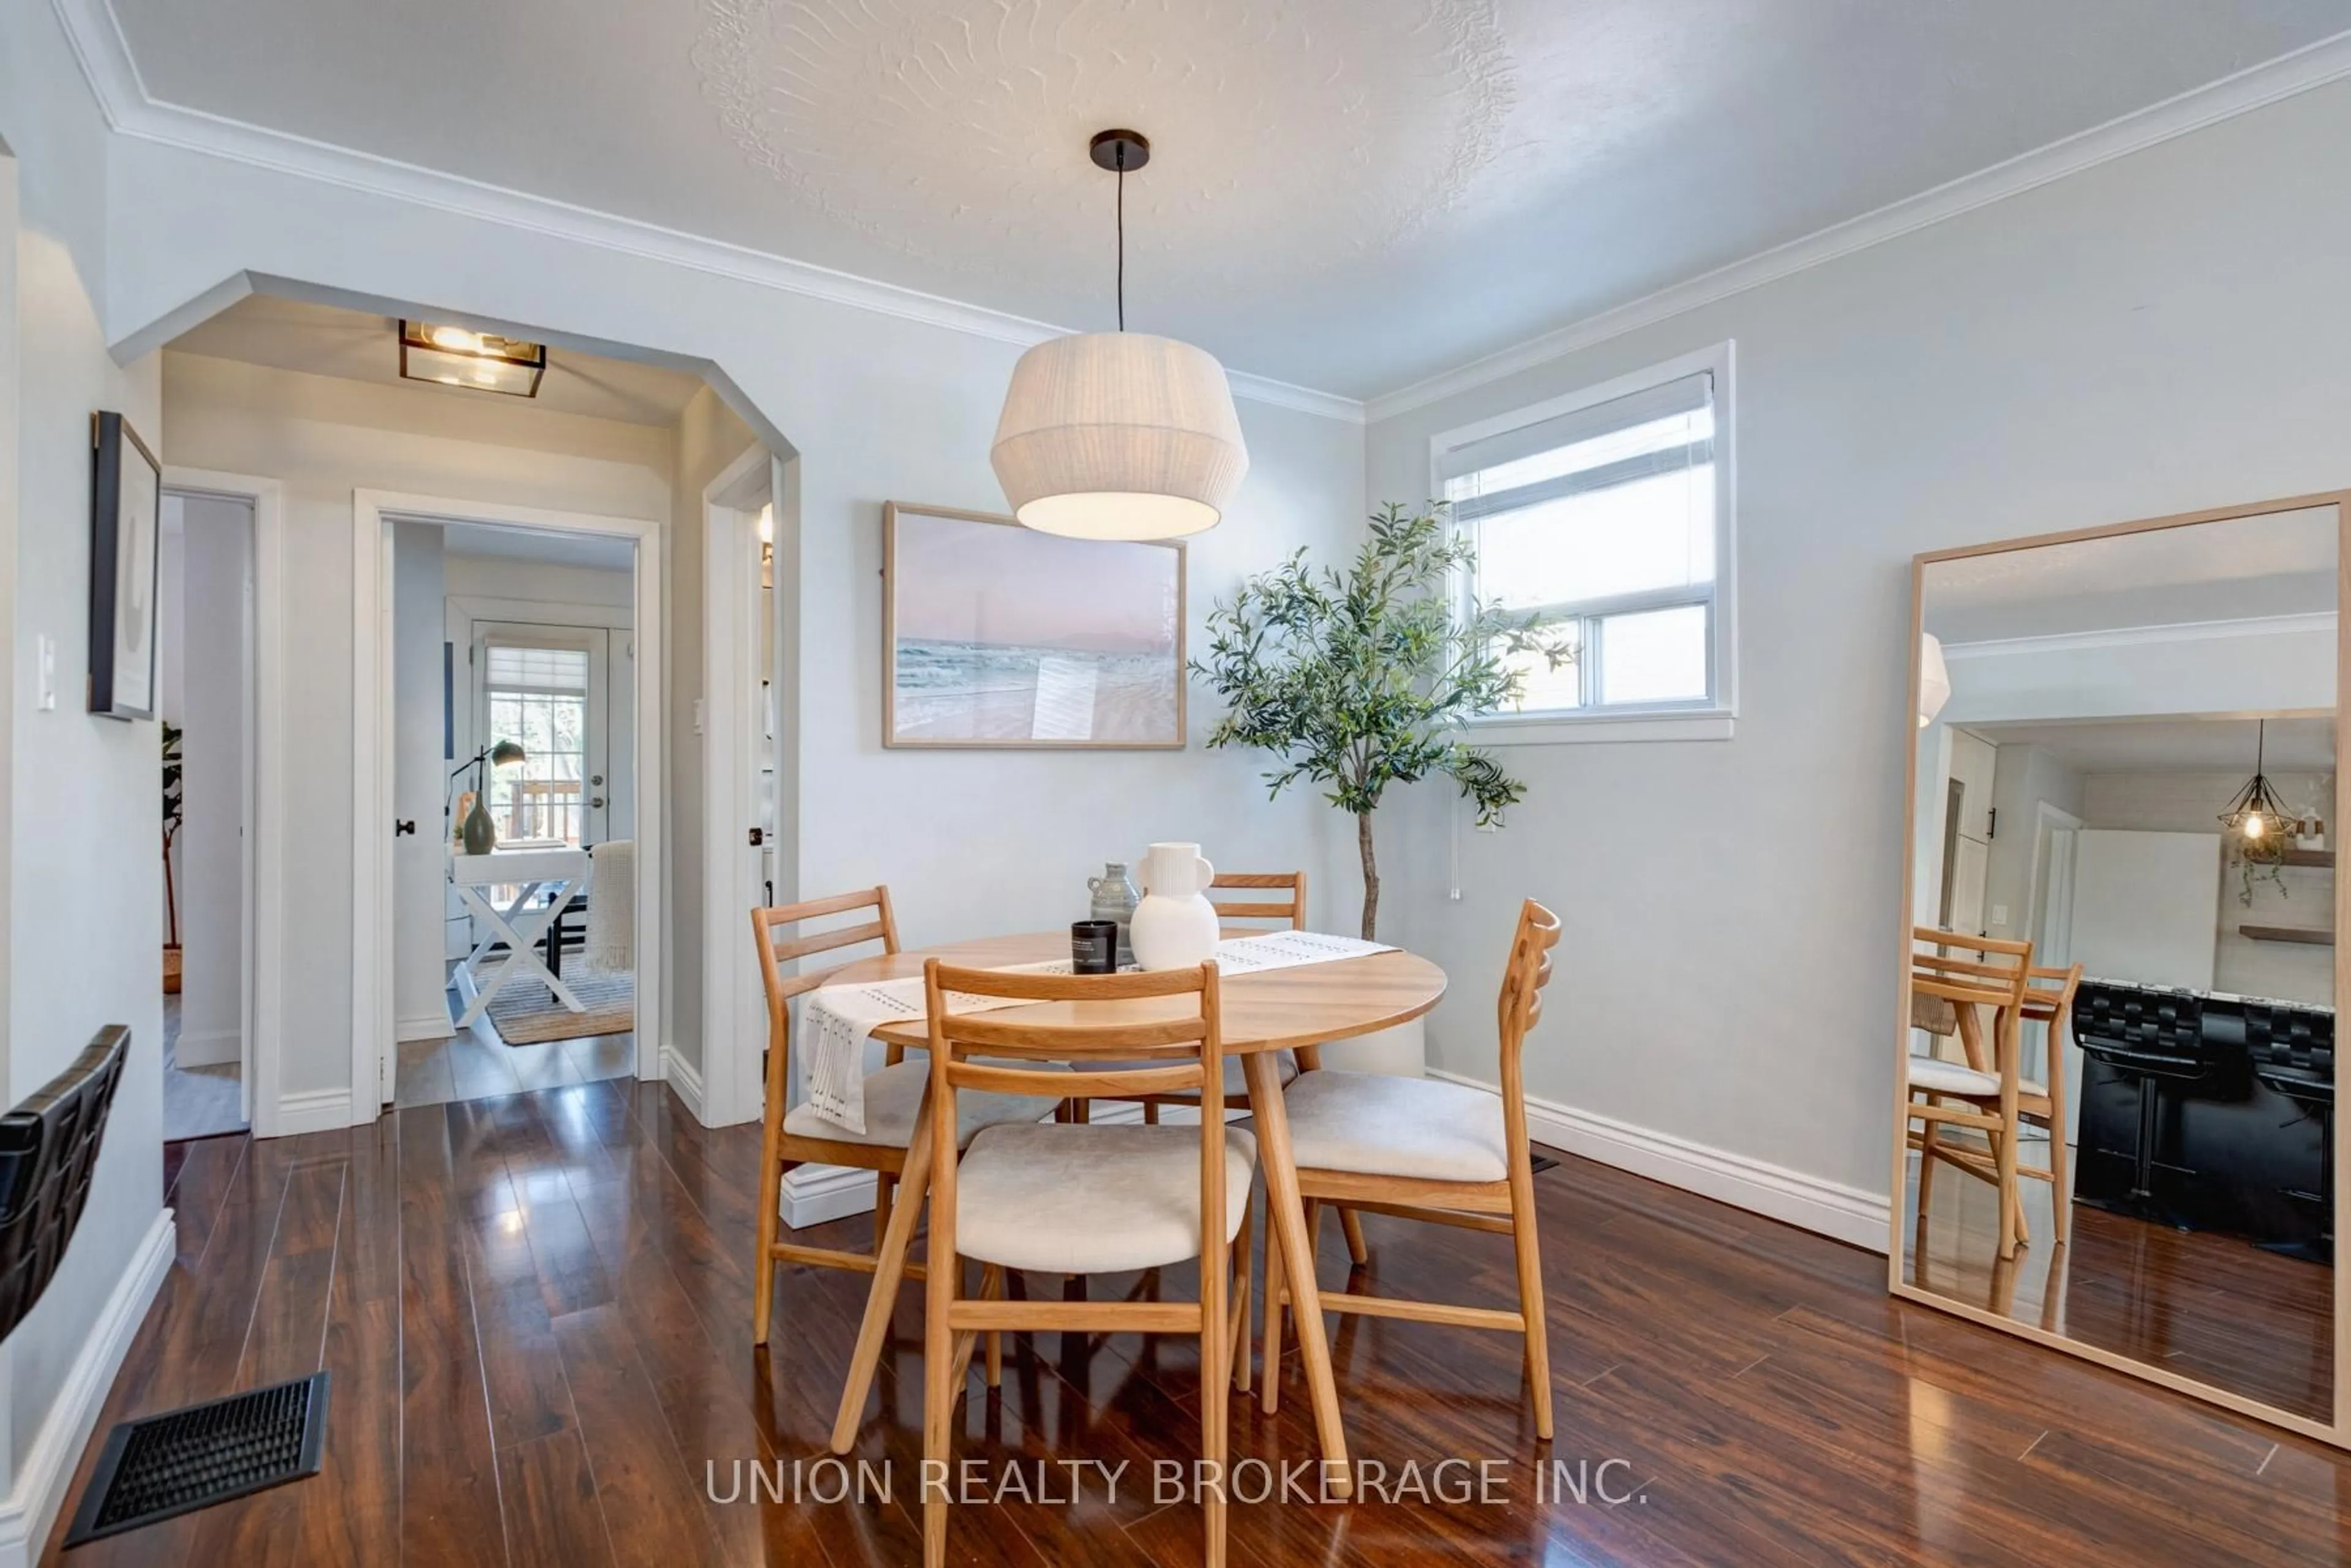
(461, 357)
(1119, 436)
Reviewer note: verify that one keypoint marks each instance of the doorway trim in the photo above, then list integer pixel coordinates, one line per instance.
(372, 1024)
(734, 1016)
(263, 868)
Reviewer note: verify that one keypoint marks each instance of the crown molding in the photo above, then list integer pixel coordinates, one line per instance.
(2315, 65)
(98, 43)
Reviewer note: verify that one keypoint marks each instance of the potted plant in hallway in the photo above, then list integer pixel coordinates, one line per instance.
(1365, 679)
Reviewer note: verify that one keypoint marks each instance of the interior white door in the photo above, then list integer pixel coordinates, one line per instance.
(2146, 906)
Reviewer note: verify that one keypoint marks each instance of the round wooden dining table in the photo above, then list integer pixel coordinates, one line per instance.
(1296, 1009)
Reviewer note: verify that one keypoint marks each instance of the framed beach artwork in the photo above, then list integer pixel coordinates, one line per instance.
(996, 635)
(125, 514)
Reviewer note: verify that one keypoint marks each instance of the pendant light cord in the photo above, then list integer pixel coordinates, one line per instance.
(1121, 238)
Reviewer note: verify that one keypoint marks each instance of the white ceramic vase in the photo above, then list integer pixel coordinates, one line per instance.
(1174, 925)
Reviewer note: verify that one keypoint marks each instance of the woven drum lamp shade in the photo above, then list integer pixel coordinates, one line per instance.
(1933, 678)
(1118, 435)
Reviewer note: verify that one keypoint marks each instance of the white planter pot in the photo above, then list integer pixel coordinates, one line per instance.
(1401, 1051)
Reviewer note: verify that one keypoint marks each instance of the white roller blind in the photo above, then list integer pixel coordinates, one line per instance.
(521, 669)
(1657, 430)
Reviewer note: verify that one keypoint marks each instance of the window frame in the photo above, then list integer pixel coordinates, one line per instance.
(1707, 718)
(592, 643)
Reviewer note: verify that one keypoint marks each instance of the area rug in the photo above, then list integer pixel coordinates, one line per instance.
(527, 1013)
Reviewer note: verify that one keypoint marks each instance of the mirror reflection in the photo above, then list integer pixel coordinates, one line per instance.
(2120, 1068)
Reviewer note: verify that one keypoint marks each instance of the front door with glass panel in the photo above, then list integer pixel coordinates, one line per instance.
(543, 688)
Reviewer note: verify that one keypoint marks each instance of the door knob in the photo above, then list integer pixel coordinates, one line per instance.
(597, 801)
(400, 826)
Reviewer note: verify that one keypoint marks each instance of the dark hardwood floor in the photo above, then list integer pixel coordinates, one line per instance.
(2206, 1305)
(536, 1310)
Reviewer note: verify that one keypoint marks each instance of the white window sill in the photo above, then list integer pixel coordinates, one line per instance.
(1596, 728)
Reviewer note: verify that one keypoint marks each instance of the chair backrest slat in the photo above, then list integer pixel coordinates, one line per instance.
(1292, 909)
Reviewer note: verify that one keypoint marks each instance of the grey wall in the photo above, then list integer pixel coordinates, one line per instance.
(82, 860)
(2165, 331)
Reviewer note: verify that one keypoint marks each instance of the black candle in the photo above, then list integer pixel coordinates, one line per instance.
(1094, 946)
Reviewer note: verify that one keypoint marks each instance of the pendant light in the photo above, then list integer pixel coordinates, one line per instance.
(2256, 813)
(1933, 678)
(1119, 436)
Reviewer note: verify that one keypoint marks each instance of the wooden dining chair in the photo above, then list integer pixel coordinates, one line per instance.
(800, 1136)
(1077, 1198)
(1969, 976)
(1422, 1148)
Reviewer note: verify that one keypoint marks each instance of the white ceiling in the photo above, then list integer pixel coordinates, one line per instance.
(1347, 194)
(295, 335)
(2176, 746)
(2282, 563)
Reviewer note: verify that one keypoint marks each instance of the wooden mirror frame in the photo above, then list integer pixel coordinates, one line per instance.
(2336, 1432)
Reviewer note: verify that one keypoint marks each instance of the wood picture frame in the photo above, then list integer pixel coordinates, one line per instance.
(126, 500)
(2335, 1426)
(996, 636)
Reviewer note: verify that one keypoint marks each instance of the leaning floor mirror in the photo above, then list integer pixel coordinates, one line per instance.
(2115, 1114)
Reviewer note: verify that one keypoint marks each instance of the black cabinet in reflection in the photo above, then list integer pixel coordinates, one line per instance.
(2208, 1110)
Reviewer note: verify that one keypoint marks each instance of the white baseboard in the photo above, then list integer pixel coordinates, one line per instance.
(814, 1195)
(317, 1111)
(424, 1026)
(209, 1047)
(30, 1509)
(686, 1079)
(1831, 1208)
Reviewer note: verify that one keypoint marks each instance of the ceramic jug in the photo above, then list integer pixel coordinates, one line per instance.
(1114, 899)
(1174, 925)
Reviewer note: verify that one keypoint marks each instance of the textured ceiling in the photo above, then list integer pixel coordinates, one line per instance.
(1349, 194)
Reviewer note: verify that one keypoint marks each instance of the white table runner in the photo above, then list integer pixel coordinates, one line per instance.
(837, 1020)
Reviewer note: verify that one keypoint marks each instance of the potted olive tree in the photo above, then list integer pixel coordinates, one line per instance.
(1360, 680)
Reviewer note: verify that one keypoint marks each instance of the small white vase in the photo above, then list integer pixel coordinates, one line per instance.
(1174, 925)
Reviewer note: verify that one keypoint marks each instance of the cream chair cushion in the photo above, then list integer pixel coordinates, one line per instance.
(892, 1097)
(1285, 1067)
(1376, 1125)
(1934, 1075)
(1084, 1199)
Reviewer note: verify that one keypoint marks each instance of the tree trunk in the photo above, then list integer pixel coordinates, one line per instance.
(1371, 877)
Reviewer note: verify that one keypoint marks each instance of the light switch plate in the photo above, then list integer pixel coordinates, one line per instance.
(46, 662)
(1999, 915)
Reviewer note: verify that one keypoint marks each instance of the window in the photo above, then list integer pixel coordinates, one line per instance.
(538, 696)
(1608, 514)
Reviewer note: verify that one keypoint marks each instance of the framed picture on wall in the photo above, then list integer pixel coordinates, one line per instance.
(996, 635)
(125, 512)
